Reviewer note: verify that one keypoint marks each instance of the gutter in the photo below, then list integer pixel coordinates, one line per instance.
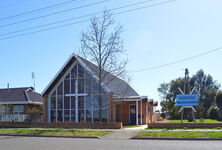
(22, 102)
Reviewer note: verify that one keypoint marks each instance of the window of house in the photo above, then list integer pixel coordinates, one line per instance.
(2, 109)
(18, 109)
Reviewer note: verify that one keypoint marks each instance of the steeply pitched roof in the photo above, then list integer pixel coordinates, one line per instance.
(116, 85)
(112, 83)
(16, 95)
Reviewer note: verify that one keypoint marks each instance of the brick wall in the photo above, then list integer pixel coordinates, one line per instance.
(95, 125)
(184, 125)
(45, 108)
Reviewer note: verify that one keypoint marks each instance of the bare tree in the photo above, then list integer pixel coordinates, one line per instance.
(102, 44)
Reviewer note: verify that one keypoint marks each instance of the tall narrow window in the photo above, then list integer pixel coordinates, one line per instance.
(60, 103)
(67, 104)
(80, 72)
(74, 72)
(67, 85)
(53, 107)
(89, 107)
(67, 109)
(73, 109)
(53, 101)
(81, 108)
(81, 86)
(53, 115)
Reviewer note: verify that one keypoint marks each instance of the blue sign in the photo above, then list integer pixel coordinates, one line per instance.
(187, 100)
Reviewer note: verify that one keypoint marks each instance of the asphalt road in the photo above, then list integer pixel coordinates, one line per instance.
(45, 143)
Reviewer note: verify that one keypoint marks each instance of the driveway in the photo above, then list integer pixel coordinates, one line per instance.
(124, 134)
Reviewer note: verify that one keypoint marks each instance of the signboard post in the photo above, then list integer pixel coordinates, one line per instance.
(187, 100)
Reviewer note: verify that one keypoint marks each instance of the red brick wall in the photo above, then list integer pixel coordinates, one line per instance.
(184, 125)
(150, 112)
(95, 125)
(45, 108)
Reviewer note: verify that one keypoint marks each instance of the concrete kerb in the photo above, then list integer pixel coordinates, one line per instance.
(167, 138)
(20, 135)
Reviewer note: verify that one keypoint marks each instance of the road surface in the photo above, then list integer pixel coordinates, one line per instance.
(46, 143)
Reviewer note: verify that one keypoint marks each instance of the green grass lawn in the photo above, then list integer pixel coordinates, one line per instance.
(181, 134)
(197, 121)
(216, 128)
(71, 132)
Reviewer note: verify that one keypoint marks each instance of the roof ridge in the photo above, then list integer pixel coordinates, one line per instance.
(26, 95)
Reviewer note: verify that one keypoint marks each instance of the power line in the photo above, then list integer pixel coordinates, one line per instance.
(55, 13)
(135, 9)
(179, 61)
(83, 16)
(60, 26)
(52, 28)
(40, 9)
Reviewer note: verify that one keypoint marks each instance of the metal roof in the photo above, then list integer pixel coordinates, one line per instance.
(111, 82)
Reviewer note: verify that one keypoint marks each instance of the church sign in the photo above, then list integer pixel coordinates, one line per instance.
(187, 100)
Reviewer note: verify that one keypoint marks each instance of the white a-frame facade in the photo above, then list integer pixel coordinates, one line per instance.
(72, 96)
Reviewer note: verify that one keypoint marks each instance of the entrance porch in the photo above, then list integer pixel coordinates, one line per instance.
(133, 110)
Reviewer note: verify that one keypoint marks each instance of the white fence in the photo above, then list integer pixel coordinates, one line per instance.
(14, 117)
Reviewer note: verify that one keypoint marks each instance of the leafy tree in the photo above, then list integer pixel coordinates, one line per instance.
(163, 90)
(207, 89)
(213, 112)
(205, 86)
(219, 103)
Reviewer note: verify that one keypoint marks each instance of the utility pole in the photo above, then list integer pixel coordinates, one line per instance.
(187, 83)
(33, 78)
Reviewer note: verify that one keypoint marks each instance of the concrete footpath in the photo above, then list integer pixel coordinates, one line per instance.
(124, 134)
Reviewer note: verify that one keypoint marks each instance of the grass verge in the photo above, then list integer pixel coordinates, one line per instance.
(71, 132)
(180, 134)
(197, 121)
(216, 128)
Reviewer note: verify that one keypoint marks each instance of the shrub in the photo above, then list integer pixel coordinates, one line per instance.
(35, 113)
(219, 104)
(213, 112)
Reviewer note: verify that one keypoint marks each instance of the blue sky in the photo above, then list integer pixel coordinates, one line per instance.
(152, 36)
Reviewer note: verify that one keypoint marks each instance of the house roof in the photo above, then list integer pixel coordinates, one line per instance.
(111, 82)
(23, 95)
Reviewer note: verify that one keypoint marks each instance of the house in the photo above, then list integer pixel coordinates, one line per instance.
(72, 96)
(16, 102)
